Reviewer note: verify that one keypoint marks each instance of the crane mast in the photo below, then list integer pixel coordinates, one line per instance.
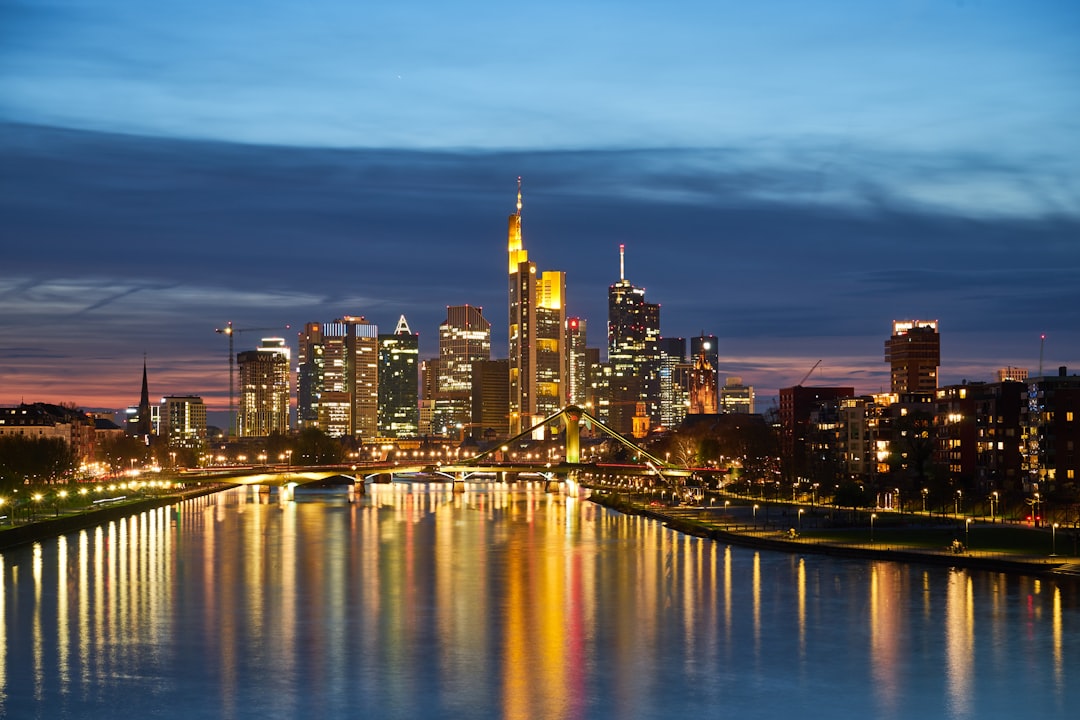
(229, 330)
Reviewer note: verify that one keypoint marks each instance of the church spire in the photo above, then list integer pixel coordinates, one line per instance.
(144, 428)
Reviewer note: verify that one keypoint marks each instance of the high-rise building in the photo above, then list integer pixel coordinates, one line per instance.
(464, 339)
(576, 361)
(674, 396)
(399, 378)
(338, 377)
(183, 421)
(264, 389)
(537, 334)
(490, 399)
(633, 351)
(736, 397)
(914, 353)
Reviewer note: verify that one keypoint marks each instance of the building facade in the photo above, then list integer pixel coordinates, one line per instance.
(633, 353)
(399, 382)
(338, 377)
(264, 389)
(536, 332)
(183, 421)
(914, 354)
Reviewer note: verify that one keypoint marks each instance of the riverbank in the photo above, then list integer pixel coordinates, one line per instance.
(46, 528)
(721, 525)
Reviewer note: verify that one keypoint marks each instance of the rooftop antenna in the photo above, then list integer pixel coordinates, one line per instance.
(519, 196)
(622, 261)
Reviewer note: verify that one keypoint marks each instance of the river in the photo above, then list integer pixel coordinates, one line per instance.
(505, 603)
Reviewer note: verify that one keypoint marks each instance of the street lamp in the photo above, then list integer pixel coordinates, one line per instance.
(959, 497)
(873, 516)
(801, 511)
(755, 513)
(924, 494)
(967, 533)
(727, 503)
(993, 501)
(1053, 539)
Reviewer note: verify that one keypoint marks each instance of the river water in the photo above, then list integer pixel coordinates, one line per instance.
(505, 603)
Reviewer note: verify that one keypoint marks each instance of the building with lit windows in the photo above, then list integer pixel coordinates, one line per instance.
(671, 377)
(399, 379)
(183, 421)
(338, 377)
(736, 397)
(633, 352)
(576, 361)
(914, 354)
(464, 339)
(264, 389)
(1050, 420)
(537, 334)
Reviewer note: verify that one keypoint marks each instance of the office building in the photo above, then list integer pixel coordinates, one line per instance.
(264, 389)
(674, 392)
(338, 377)
(537, 334)
(633, 352)
(576, 361)
(183, 421)
(490, 400)
(736, 397)
(464, 339)
(914, 353)
(399, 382)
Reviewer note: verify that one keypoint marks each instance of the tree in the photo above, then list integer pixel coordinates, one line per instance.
(314, 447)
(119, 451)
(33, 460)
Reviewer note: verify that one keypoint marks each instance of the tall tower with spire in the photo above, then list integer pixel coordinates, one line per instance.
(142, 425)
(633, 352)
(537, 334)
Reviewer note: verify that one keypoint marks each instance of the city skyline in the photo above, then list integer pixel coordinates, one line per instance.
(793, 185)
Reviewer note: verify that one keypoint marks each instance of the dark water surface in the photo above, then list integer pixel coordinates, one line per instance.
(419, 603)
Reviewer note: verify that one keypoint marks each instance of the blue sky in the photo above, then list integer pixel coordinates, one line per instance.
(789, 176)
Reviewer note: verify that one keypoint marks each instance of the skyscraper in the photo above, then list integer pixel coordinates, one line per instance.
(633, 351)
(914, 353)
(576, 361)
(464, 339)
(537, 334)
(183, 421)
(264, 389)
(399, 379)
(674, 395)
(338, 377)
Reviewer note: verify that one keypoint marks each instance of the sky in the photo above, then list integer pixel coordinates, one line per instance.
(788, 176)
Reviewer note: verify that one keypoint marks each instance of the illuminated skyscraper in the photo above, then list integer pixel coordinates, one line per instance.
(577, 367)
(674, 395)
(633, 352)
(914, 353)
(399, 379)
(183, 421)
(264, 389)
(338, 377)
(537, 334)
(464, 339)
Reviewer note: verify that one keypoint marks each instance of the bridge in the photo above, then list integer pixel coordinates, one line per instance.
(485, 463)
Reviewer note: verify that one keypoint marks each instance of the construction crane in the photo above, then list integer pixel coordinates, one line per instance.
(229, 330)
(807, 375)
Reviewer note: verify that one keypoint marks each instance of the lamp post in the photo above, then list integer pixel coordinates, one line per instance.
(755, 514)
(993, 501)
(1053, 539)
(873, 516)
(924, 494)
(727, 503)
(801, 511)
(959, 497)
(967, 533)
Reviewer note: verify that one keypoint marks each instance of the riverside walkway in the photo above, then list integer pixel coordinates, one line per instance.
(904, 538)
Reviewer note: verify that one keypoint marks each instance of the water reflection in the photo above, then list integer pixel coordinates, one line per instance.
(500, 602)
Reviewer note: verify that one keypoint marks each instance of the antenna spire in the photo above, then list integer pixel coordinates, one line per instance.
(622, 261)
(519, 197)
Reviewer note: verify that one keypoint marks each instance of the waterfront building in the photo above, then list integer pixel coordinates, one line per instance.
(45, 421)
(797, 404)
(338, 377)
(633, 352)
(183, 421)
(736, 397)
(537, 334)
(399, 378)
(914, 354)
(264, 389)
(1051, 441)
